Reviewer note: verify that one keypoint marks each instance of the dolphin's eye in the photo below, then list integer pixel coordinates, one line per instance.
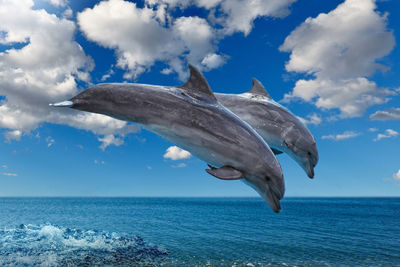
(267, 178)
(309, 153)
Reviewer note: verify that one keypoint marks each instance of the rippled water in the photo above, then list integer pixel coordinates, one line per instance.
(50, 245)
(199, 231)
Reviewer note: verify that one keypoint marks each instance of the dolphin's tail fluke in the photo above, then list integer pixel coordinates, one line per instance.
(62, 104)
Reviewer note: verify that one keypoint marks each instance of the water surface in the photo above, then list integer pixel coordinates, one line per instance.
(199, 231)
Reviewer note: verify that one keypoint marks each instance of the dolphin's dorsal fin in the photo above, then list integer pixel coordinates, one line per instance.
(258, 88)
(197, 85)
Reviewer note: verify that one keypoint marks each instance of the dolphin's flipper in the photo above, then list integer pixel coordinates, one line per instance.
(197, 85)
(276, 152)
(258, 88)
(225, 173)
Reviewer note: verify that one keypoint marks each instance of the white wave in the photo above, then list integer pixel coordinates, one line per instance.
(50, 245)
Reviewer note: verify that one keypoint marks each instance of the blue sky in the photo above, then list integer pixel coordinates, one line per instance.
(333, 63)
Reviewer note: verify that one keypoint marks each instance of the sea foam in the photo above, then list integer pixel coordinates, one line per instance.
(51, 245)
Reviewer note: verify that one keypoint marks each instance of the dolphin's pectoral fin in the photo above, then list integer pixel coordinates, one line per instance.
(258, 89)
(211, 167)
(276, 152)
(225, 173)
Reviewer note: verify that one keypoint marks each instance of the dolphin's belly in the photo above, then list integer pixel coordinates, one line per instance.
(201, 145)
(274, 141)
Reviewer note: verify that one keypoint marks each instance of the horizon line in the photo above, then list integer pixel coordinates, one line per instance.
(255, 197)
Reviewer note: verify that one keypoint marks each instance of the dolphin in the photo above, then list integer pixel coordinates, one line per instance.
(191, 117)
(282, 130)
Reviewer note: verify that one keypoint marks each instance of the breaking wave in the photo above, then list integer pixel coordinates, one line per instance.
(50, 245)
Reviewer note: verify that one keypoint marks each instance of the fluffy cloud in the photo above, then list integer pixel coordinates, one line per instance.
(343, 136)
(213, 61)
(396, 176)
(68, 13)
(386, 115)
(140, 38)
(311, 119)
(110, 140)
(58, 3)
(12, 135)
(389, 133)
(45, 69)
(340, 49)
(135, 33)
(240, 14)
(143, 36)
(180, 165)
(233, 15)
(50, 141)
(176, 153)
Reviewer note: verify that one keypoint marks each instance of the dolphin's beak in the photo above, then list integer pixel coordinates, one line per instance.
(312, 161)
(310, 172)
(67, 104)
(269, 192)
(272, 199)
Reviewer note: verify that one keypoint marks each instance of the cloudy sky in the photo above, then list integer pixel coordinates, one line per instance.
(333, 63)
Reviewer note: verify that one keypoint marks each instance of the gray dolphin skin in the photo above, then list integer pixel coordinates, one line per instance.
(282, 130)
(191, 117)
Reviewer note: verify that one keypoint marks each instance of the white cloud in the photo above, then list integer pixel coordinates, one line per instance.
(179, 165)
(213, 61)
(68, 13)
(10, 174)
(207, 3)
(386, 115)
(176, 153)
(396, 176)
(143, 36)
(166, 71)
(197, 36)
(389, 133)
(240, 14)
(233, 15)
(109, 140)
(12, 135)
(373, 129)
(45, 69)
(342, 136)
(340, 49)
(58, 3)
(135, 33)
(311, 119)
(140, 39)
(50, 141)
(4, 166)
(352, 96)
(107, 75)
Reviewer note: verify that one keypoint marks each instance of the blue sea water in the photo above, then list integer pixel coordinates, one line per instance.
(199, 231)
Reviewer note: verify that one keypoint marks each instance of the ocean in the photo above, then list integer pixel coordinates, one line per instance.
(199, 232)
